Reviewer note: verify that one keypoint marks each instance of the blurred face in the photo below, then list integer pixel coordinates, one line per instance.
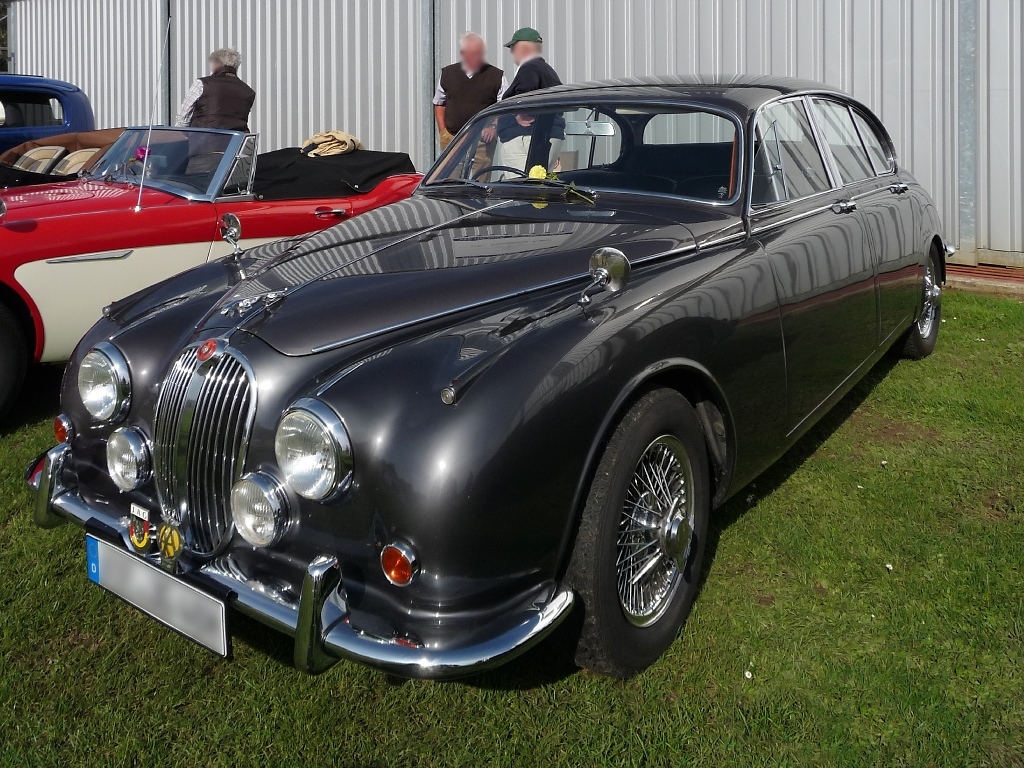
(472, 54)
(523, 50)
(215, 66)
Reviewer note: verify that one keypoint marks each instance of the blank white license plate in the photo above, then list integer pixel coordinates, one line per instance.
(182, 607)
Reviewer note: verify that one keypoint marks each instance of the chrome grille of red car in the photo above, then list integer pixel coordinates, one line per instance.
(203, 417)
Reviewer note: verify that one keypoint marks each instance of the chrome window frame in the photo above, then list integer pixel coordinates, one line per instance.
(250, 194)
(881, 134)
(806, 96)
(832, 160)
(507, 107)
(815, 136)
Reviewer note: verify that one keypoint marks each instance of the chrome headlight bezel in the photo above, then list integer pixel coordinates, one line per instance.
(120, 381)
(335, 436)
(276, 498)
(138, 447)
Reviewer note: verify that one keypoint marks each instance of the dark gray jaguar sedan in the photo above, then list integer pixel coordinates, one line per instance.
(422, 438)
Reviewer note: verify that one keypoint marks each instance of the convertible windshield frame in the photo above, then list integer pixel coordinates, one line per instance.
(236, 140)
(513, 106)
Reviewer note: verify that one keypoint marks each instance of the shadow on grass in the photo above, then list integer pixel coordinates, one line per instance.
(39, 398)
(551, 661)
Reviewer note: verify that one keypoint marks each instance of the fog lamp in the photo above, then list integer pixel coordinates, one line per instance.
(399, 563)
(259, 508)
(128, 460)
(62, 429)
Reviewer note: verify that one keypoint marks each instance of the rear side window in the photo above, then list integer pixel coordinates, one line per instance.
(878, 148)
(843, 141)
(787, 163)
(22, 109)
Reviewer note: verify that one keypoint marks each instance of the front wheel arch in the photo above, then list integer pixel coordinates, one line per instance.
(694, 382)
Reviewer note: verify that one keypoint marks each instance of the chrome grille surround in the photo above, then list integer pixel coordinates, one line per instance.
(201, 431)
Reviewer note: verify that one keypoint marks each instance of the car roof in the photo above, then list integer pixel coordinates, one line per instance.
(36, 81)
(740, 93)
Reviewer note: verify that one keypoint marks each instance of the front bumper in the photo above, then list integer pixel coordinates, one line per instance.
(318, 618)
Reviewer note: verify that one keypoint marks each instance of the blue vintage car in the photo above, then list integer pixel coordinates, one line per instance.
(32, 108)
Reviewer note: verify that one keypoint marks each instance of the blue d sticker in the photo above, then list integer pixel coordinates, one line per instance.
(92, 558)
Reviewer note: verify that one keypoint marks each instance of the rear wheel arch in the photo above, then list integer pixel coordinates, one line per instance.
(939, 247)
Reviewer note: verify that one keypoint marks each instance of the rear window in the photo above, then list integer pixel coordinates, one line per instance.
(20, 109)
(843, 141)
(878, 149)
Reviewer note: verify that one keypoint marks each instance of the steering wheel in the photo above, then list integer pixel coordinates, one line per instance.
(489, 168)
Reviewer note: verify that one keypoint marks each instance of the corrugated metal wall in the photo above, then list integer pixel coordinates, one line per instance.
(897, 56)
(1000, 131)
(358, 65)
(315, 65)
(109, 48)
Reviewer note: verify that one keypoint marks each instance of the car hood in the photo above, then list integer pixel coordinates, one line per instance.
(427, 257)
(75, 197)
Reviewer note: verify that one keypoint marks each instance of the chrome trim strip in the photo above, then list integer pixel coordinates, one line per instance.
(99, 256)
(789, 220)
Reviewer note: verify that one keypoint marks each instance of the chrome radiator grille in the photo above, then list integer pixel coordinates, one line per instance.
(203, 417)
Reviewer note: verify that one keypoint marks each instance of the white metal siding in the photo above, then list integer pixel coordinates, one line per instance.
(896, 56)
(315, 65)
(109, 48)
(1000, 129)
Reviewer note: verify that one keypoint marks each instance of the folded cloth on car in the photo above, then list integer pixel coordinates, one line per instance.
(331, 143)
(288, 174)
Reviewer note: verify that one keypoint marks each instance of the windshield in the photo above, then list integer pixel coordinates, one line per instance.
(177, 160)
(687, 152)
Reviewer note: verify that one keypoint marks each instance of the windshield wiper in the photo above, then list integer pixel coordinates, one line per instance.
(569, 188)
(462, 182)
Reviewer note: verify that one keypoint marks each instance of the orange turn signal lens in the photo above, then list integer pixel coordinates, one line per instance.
(399, 564)
(62, 429)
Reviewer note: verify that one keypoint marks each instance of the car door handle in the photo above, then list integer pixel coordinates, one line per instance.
(323, 213)
(844, 206)
(899, 188)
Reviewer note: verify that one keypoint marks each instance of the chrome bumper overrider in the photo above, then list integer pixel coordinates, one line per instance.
(318, 618)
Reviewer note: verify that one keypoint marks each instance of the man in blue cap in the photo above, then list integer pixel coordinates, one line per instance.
(533, 73)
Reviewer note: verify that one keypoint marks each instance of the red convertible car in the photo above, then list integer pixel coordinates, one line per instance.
(155, 205)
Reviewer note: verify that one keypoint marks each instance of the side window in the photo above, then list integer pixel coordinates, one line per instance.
(843, 141)
(878, 149)
(22, 108)
(787, 163)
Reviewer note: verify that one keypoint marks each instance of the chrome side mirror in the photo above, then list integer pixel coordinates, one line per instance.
(609, 271)
(231, 231)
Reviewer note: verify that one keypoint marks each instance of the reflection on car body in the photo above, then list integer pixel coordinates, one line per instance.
(419, 438)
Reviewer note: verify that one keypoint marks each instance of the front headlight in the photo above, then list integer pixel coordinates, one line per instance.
(104, 382)
(128, 461)
(313, 450)
(259, 508)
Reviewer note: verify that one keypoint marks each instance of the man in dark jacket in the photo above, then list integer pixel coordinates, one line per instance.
(219, 100)
(533, 73)
(465, 88)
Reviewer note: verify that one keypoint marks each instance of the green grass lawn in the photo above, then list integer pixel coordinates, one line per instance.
(871, 584)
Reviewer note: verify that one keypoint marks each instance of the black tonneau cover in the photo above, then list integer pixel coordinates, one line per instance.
(287, 174)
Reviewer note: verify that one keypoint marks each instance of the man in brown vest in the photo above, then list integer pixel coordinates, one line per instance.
(220, 100)
(465, 88)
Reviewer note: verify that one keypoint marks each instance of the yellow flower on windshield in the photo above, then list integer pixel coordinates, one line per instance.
(538, 172)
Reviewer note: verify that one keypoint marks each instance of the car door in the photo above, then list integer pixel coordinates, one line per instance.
(883, 204)
(818, 247)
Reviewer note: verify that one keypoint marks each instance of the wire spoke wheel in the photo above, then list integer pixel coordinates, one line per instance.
(932, 300)
(655, 530)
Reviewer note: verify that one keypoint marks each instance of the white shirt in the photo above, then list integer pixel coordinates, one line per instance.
(441, 98)
(188, 105)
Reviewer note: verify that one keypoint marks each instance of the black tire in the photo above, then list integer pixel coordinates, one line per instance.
(13, 359)
(924, 333)
(610, 642)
